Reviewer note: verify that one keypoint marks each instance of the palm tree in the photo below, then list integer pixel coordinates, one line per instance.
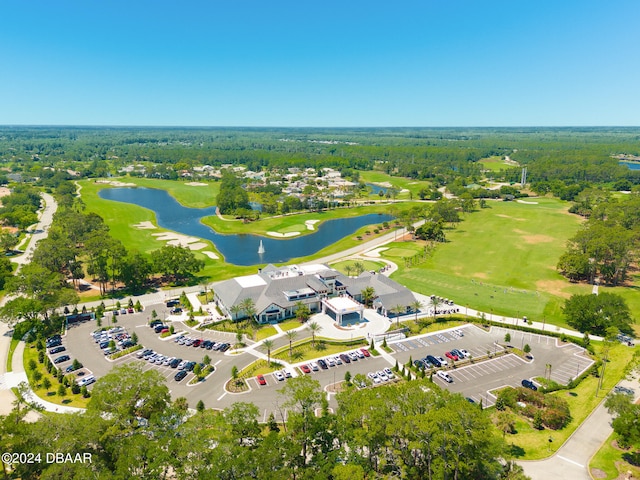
(268, 345)
(398, 309)
(435, 303)
(348, 268)
(248, 307)
(358, 267)
(315, 328)
(235, 310)
(291, 336)
(302, 312)
(368, 294)
(416, 306)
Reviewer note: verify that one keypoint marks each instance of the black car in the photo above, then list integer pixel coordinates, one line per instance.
(224, 347)
(72, 368)
(173, 303)
(57, 350)
(175, 310)
(205, 344)
(155, 323)
(175, 362)
(345, 358)
(189, 367)
(433, 361)
(159, 328)
(323, 364)
(529, 384)
(180, 375)
(54, 343)
(104, 344)
(419, 364)
(62, 358)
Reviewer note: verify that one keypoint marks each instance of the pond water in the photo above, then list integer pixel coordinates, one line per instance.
(375, 189)
(239, 249)
(631, 165)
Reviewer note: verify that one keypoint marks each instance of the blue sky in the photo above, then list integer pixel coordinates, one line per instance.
(323, 63)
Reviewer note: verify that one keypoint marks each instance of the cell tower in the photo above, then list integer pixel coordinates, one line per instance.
(523, 178)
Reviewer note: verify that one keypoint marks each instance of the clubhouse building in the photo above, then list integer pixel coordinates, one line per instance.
(277, 292)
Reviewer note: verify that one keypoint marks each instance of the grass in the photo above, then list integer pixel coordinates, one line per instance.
(304, 350)
(494, 164)
(532, 444)
(609, 460)
(12, 348)
(70, 399)
(513, 277)
(265, 332)
(400, 183)
(368, 265)
(289, 324)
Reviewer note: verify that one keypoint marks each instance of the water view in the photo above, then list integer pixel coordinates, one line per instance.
(239, 249)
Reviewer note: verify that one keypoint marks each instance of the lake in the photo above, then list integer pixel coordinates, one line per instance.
(631, 165)
(239, 249)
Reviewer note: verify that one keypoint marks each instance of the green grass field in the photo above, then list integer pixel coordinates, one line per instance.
(368, 265)
(500, 259)
(494, 164)
(400, 183)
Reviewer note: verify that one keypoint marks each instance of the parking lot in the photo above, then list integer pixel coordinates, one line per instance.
(476, 380)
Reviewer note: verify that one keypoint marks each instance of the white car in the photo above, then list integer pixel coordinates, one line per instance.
(389, 373)
(331, 362)
(460, 333)
(382, 376)
(464, 353)
(353, 356)
(445, 376)
(182, 364)
(314, 366)
(359, 354)
(167, 361)
(338, 360)
(286, 373)
(442, 361)
(279, 376)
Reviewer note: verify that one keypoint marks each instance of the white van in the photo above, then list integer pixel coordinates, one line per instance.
(88, 380)
(445, 376)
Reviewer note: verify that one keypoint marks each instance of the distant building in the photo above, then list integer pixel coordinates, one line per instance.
(277, 292)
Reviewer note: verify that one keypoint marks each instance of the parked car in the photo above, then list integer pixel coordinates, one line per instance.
(314, 366)
(445, 376)
(57, 350)
(529, 384)
(359, 353)
(365, 352)
(305, 368)
(62, 358)
(442, 361)
(130, 310)
(353, 356)
(451, 355)
(338, 360)
(418, 364)
(225, 347)
(286, 373)
(434, 361)
(464, 353)
(72, 368)
(180, 375)
(158, 328)
(155, 323)
(279, 376)
(88, 380)
(323, 364)
(261, 380)
(344, 358)
(625, 390)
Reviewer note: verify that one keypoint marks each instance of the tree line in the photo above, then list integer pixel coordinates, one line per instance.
(133, 429)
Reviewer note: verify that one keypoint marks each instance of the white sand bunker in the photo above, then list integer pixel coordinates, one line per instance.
(311, 224)
(115, 183)
(375, 253)
(197, 184)
(145, 226)
(178, 239)
(283, 235)
(526, 202)
(210, 254)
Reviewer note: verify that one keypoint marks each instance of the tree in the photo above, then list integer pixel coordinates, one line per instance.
(526, 349)
(234, 311)
(302, 312)
(358, 268)
(291, 336)
(506, 423)
(200, 406)
(315, 328)
(248, 307)
(180, 263)
(416, 305)
(268, 345)
(625, 422)
(368, 294)
(507, 337)
(431, 231)
(435, 304)
(596, 313)
(46, 384)
(398, 309)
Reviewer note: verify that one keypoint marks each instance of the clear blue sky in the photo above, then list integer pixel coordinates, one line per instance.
(320, 63)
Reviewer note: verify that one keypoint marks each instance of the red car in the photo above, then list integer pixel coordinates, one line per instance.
(197, 343)
(450, 355)
(305, 368)
(365, 352)
(261, 380)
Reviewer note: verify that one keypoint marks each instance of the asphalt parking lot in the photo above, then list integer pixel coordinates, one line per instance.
(473, 380)
(476, 380)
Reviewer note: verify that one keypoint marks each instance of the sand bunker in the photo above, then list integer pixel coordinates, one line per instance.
(311, 224)
(115, 183)
(193, 243)
(526, 202)
(197, 184)
(145, 226)
(283, 235)
(4, 191)
(211, 255)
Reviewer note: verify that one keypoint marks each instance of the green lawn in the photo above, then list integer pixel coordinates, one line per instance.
(400, 183)
(514, 276)
(494, 164)
(609, 460)
(367, 264)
